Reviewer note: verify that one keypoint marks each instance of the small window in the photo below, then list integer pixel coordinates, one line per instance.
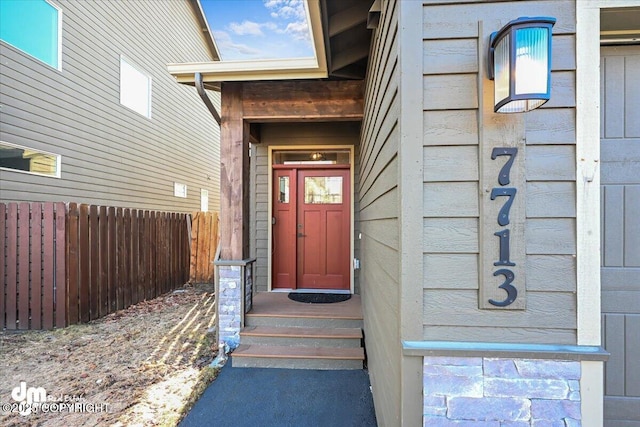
(204, 200)
(283, 195)
(34, 27)
(135, 88)
(323, 190)
(22, 159)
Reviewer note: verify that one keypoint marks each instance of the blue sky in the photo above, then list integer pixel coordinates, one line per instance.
(259, 29)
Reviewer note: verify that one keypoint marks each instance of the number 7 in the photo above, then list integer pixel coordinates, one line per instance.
(503, 176)
(503, 215)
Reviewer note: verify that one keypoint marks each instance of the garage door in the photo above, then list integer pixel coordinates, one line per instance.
(620, 153)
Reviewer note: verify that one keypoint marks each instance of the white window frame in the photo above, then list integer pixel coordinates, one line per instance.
(146, 113)
(22, 147)
(58, 66)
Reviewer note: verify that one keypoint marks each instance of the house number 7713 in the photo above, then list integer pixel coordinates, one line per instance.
(503, 220)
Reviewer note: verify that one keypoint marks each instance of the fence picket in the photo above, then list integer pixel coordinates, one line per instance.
(61, 294)
(103, 261)
(3, 284)
(73, 266)
(12, 266)
(134, 256)
(36, 266)
(113, 265)
(23, 265)
(84, 286)
(120, 272)
(94, 263)
(48, 266)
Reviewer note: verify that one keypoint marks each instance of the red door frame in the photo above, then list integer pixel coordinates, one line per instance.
(286, 263)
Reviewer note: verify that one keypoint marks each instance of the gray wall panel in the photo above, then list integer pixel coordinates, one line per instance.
(110, 154)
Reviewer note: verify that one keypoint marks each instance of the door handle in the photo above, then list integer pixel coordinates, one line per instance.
(301, 235)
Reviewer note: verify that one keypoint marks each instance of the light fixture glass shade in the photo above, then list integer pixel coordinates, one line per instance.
(520, 64)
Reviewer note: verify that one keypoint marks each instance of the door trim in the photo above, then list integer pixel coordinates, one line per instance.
(273, 148)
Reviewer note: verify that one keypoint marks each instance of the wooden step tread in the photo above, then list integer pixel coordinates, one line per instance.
(286, 352)
(300, 332)
(302, 315)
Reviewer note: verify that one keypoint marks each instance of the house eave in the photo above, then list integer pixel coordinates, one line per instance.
(270, 69)
(275, 69)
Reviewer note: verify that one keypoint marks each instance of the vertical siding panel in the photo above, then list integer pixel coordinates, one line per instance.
(48, 266)
(614, 97)
(73, 265)
(23, 265)
(632, 350)
(632, 99)
(61, 263)
(615, 366)
(36, 266)
(613, 226)
(94, 251)
(632, 224)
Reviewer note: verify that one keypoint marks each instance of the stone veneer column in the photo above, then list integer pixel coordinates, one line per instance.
(229, 304)
(497, 392)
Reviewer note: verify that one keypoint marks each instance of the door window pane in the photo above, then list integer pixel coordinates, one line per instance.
(283, 192)
(323, 189)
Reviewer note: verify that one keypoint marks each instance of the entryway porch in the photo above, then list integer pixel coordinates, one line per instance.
(281, 333)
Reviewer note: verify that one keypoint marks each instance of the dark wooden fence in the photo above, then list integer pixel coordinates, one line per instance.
(204, 242)
(63, 264)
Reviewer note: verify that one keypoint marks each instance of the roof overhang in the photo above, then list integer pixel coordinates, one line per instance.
(274, 69)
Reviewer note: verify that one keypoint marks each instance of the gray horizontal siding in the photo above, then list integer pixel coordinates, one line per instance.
(451, 190)
(110, 154)
(378, 192)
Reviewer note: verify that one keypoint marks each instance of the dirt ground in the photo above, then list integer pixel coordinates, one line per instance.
(141, 366)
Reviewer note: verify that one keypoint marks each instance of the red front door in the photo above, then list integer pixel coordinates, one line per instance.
(311, 231)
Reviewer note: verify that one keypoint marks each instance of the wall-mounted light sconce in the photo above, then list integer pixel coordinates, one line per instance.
(520, 64)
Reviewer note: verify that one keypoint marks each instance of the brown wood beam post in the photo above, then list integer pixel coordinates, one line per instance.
(234, 175)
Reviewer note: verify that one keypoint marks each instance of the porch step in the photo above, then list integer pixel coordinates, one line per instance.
(302, 321)
(297, 357)
(302, 337)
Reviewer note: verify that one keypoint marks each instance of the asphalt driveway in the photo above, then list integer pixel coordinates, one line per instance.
(270, 397)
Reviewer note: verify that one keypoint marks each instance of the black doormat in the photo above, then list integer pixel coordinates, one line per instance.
(314, 298)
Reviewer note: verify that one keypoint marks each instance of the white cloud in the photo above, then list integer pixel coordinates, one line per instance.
(297, 30)
(246, 28)
(234, 50)
(286, 9)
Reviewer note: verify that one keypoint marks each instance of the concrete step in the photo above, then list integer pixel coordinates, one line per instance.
(275, 356)
(302, 337)
(302, 321)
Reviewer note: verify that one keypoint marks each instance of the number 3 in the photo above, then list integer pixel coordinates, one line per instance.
(512, 292)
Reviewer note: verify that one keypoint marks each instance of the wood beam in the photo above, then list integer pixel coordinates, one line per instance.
(234, 175)
(303, 101)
